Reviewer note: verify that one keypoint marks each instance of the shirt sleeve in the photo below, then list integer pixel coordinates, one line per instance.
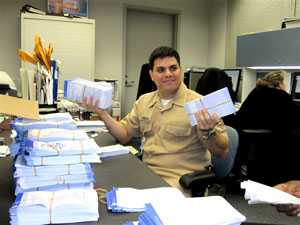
(131, 120)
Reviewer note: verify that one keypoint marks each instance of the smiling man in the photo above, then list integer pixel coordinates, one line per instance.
(172, 147)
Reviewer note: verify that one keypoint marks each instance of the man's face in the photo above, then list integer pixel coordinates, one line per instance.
(166, 74)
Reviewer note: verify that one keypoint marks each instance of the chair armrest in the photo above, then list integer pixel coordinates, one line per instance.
(197, 179)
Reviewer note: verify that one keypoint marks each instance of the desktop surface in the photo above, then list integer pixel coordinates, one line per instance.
(128, 171)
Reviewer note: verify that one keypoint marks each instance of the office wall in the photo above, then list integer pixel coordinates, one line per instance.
(109, 16)
(251, 16)
(217, 31)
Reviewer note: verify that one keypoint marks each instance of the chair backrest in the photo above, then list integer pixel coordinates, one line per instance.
(145, 83)
(214, 79)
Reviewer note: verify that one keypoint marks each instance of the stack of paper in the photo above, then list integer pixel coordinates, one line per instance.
(65, 206)
(91, 125)
(217, 102)
(56, 134)
(213, 210)
(134, 200)
(77, 89)
(113, 150)
(62, 148)
(259, 193)
(21, 169)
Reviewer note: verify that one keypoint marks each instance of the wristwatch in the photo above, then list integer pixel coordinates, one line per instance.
(209, 134)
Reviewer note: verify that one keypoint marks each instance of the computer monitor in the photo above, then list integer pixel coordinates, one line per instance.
(235, 75)
(191, 77)
(295, 91)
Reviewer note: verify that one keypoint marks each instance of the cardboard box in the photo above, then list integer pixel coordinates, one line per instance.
(19, 107)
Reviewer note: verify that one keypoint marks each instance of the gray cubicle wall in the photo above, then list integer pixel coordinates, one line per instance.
(272, 48)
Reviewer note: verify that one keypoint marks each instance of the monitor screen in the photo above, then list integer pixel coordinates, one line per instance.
(295, 92)
(235, 75)
(191, 79)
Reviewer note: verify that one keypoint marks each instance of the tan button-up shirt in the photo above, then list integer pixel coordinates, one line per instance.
(172, 147)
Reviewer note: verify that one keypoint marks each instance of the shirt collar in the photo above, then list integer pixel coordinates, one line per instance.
(178, 99)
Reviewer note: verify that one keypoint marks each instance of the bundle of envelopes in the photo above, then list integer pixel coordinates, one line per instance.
(213, 210)
(45, 207)
(257, 193)
(113, 150)
(216, 102)
(77, 89)
(134, 200)
(53, 159)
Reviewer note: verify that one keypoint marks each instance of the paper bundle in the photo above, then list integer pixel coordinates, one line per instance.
(23, 170)
(77, 89)
(213, 210)
(65, 206)
(113, 150)
(134, 200)
(61, 148)
(56, 134)
(217, 102)
(259, 193)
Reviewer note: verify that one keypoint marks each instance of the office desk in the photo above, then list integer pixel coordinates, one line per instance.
(120, 171)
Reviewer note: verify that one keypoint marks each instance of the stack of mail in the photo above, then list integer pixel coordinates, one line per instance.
(134, 200)
(62, 148)
(77, 89)
(65, 206)
(213, 210)
(91, 125)
(55, 134)
(113, 150)
(53, 120)
(259, 193)
(217, 102)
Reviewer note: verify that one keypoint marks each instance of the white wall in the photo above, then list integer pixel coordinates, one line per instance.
(109, 16)
(217, 31)
(251, 16)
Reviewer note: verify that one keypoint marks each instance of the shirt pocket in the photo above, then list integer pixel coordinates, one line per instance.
(146, 127)
(173, 131)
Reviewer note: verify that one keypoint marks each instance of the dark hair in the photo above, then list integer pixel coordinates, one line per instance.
(162, 52)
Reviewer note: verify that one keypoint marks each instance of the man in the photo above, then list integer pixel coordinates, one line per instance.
(293, 188)
(171, 146)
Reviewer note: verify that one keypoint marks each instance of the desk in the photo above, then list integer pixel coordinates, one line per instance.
(120, 171)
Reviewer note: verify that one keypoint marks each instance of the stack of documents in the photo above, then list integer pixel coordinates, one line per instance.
(77, 89)
(65, 206)
(62, 148)
(91, 125)
(55, 134)
(53, 120)
(21, 169)
(213, 210)
(113, 150)
(217, 102)
(257, 193)
(134, 200)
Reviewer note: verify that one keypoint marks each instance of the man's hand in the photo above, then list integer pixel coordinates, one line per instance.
(206, 121)
(293, 188)
(91, 106)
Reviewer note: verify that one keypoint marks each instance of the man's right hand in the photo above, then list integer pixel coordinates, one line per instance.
(293, 188)
(91, 106)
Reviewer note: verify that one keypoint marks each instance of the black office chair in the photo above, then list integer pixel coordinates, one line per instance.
(146, 85)
(212, 80)
(198, 181)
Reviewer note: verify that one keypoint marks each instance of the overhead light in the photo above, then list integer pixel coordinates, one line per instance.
(274, 67)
